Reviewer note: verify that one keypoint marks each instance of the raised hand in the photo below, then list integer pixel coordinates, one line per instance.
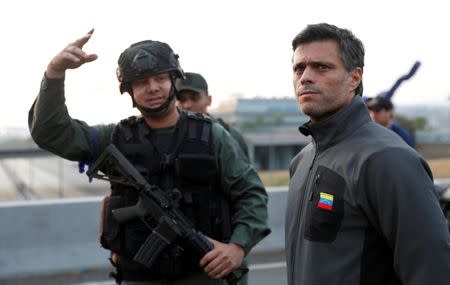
(71, 57)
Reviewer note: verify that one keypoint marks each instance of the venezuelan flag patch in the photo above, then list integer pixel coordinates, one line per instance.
(325, 201)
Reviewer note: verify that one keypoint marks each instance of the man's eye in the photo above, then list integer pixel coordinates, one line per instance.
(140, 81)
(299, 70)
(161, 78)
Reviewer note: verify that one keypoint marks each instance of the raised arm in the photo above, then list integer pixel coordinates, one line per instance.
(399, 81)
(50, 124)
(71, 57)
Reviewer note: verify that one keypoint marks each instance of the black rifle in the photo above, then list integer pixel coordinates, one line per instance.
(153, 202)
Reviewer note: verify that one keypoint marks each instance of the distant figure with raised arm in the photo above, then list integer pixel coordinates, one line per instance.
(381, 108)
(381, 111)
(390, 93)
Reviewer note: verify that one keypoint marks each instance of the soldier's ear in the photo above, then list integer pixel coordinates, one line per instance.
(209, 99)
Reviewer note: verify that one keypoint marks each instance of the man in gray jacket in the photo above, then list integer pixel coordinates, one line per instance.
(361, 206)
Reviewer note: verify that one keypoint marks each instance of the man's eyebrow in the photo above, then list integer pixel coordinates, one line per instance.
(298, 65)
(312, 63)
(321, 62)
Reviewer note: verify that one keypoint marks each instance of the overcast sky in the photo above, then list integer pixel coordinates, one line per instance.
(241, 47)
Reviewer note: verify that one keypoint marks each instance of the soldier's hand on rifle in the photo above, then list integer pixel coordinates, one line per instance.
(72, 56)
(223, 259)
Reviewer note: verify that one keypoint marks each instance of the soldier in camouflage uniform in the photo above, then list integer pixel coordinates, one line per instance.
(221, 191)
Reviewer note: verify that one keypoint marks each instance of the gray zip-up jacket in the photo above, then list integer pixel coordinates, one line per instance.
(362, 209)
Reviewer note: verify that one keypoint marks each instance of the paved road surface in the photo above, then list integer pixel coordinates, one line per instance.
(265, 269)
(261, 273)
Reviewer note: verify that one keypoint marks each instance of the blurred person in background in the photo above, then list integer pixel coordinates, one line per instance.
(193, 96)
(381, 111)
(381, 108)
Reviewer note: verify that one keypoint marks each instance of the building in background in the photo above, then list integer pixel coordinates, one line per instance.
(270, 128)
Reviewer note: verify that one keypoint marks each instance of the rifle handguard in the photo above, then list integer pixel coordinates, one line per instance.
(202, 245)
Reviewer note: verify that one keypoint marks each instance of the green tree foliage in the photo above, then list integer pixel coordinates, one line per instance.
(421, 123)
(277, 118)
(406, 123)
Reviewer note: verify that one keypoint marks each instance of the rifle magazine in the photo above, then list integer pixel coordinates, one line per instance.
(151, 249)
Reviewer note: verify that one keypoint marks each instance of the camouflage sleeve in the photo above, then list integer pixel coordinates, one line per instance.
(248, 195)
(52, 128)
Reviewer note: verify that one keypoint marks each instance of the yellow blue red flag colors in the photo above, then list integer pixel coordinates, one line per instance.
(325, 201)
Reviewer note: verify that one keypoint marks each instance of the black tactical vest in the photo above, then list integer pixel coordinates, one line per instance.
(183, 160)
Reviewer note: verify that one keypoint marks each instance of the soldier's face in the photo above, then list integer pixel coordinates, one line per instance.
(194, 101)
(322, 85)
(151, 91)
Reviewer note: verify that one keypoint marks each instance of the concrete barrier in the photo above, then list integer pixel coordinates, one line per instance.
(49, 236)
(45, 238)
(54, 241)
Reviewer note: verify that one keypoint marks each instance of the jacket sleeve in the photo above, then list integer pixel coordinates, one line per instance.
(402, 205)
(53, 129)
(239, 139)
(248, 196)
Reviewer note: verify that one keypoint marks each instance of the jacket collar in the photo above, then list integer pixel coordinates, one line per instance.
(338, 126)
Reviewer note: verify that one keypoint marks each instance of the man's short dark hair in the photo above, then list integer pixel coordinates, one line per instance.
(352, 49)
(379, 103)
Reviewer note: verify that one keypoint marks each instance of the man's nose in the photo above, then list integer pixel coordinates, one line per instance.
(307, 75)
(152, 84)
(186, 105)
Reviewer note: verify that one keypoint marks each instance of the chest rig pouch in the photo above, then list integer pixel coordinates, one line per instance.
(184, 160)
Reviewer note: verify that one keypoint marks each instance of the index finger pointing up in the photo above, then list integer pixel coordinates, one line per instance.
(83, 40)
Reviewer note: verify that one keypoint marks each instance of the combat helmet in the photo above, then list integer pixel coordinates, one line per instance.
(147, 58)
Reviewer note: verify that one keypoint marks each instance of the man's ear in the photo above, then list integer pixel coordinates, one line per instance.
(209, 99)
(355, 78)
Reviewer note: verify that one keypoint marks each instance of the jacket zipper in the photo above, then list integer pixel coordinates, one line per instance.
(316, 184)
(300, 210)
